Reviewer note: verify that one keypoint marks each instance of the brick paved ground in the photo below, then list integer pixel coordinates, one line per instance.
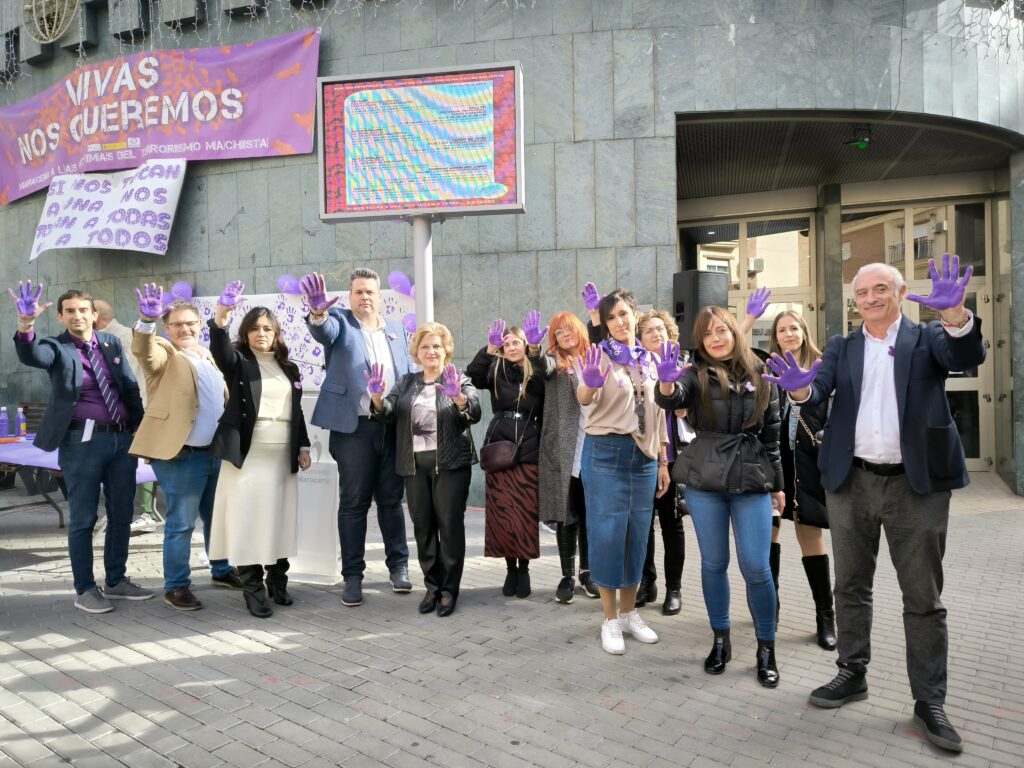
(503, 682)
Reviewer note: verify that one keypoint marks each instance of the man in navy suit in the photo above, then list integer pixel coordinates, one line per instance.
(94, 408)
(891, 454)
(364, 448)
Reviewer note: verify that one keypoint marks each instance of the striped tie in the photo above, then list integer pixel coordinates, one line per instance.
(107, 391)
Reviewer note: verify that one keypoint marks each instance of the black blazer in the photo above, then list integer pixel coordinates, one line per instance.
(59, 357)
(242, 374)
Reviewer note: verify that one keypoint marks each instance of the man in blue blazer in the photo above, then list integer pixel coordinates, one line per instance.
(891, 454)
(363, 448)
(93, 409)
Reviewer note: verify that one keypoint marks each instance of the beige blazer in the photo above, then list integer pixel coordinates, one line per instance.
(172, 388)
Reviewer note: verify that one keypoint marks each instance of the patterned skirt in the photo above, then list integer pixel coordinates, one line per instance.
(510, 521)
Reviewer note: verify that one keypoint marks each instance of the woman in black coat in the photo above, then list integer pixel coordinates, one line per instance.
(434, 452)
(509, 369)
(263, 441)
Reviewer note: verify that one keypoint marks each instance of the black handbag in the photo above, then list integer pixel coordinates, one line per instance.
(808, 509)
(502, 454)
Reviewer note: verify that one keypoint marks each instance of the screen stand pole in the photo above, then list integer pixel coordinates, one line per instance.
(423, 268)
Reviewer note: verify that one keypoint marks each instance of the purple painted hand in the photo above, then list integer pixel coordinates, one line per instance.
(451, 382)
(27, 300)
(231, 296)
(532, 330)
(668, 369)
(758, 302)
(591, 298)
(788, 374)
(590, 368)
(375, 379)
(948, 289)
(151, 300)
(496, 333)
(315, 289)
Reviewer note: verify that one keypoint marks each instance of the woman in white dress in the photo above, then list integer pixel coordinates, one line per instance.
(263, 443)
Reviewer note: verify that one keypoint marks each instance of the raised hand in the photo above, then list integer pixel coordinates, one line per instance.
(532, 330)
(315, 289)
(496, 333)
(231, 296)
(151, 300)
(591, 298)
(788, 374)
(948, 289)
(668, 369)
(590, 368)
(27, 300)
(758, 302)
(375, 380)
(451, 381)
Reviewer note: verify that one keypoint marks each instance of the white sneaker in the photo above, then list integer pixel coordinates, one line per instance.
(637, 627)
(143, 524)
(611, 637)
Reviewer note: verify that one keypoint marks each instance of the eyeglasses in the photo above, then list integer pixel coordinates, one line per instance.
(565, 332)
(185, 324)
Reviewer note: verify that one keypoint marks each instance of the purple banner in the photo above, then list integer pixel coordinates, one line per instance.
(232, 101)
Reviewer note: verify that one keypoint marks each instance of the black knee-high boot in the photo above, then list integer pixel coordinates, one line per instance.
(774, 555)
(255, 593)
(820, 580)
(509, 588)
(277, 582)
(566, 535)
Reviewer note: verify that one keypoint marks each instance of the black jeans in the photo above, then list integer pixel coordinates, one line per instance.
(672, 538)
(915, 530)
(437, 506)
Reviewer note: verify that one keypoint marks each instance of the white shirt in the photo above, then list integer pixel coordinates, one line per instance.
(210, 389)
(380, 352)
(877, 437)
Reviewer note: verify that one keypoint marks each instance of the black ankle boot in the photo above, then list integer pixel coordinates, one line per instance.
(523, 579)
(256, 602)
(767, 671)
(721, 653)
(774, 556)
(511, 577)
(819, 579)
(278, 590)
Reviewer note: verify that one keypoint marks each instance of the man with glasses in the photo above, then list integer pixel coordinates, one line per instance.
(186, 400)
(93, 408)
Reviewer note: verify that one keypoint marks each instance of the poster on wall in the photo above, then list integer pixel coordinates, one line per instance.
(291, 311)
(233, 101)
(420, 143)
(127, 210)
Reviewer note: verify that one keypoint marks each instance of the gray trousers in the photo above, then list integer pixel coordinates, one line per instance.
(915, 529)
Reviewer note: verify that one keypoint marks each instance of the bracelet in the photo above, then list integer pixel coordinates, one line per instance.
(961, 324)
(663, 461)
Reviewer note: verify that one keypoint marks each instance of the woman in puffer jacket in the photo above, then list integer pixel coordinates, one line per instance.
(433, 410)
(732, 472)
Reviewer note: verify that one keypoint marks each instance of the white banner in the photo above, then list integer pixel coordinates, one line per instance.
(128, 210)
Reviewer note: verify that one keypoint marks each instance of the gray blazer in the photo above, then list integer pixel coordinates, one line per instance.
(559, 430)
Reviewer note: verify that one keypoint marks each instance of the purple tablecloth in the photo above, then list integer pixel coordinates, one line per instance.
(25, 454)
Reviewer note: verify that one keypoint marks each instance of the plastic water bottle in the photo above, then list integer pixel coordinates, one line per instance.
(20, 427)
(5, 425)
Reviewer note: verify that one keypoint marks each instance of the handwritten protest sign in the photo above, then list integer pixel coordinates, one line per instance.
(291, 313)
(130, 210)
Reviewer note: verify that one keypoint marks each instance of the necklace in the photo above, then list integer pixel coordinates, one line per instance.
(639, 398)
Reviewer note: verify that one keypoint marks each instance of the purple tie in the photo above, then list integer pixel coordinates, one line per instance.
(107, 391)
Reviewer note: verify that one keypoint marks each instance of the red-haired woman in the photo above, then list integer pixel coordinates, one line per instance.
(561, 447)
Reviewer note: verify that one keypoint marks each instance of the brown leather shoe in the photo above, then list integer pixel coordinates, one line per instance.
(182, 599)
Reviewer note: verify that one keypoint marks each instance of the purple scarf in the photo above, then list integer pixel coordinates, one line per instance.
(632, 356)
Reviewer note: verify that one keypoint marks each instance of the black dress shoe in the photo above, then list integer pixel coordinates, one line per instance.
(446, 606)
(257, 604)
(231, 580)
(673, 602)
(428, 603)
(767, 671)
(721, 653)
(827, 629)
(937, 729)
(847, 685)
(278, 592)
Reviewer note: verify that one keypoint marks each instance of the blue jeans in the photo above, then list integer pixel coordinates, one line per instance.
(618, 483)
(189, 481)
(751, 515)
(103, 460)
(366, 472)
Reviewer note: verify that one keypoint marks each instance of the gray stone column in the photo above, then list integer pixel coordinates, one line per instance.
(829, 263)
(1017, 317)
